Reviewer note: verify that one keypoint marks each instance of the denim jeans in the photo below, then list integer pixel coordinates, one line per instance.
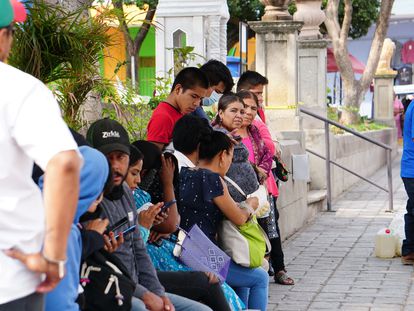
(250, 284)
(33, 302)
(194, 285)
(180, 304)
(408, 243)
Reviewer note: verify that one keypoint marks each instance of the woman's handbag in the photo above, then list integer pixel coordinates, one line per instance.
(280, 171)
(199, 253)
(261, 194)
(245, 244)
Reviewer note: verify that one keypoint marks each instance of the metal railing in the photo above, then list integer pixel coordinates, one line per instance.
(328, 160)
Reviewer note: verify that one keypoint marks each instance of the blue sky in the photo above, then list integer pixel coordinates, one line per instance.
(403, 7)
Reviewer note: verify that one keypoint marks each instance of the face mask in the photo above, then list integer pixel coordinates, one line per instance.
(214, 98)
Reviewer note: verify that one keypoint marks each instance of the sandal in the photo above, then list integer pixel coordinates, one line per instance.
(283, 278)
(407, 260)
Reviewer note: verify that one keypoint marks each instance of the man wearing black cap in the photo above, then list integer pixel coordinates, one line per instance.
(33, 229)
(111, 138)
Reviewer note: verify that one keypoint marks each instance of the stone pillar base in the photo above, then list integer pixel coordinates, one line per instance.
(312, 80)
(276, 59)
(384, 98)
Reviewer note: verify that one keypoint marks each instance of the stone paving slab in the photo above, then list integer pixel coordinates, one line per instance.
(332, 259)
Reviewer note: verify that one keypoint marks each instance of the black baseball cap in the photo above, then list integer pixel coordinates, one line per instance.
(108, 135)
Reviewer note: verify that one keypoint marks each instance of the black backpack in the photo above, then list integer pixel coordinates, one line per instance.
(106, 282)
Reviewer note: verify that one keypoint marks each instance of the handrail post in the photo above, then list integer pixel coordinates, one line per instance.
(390, 190)
(328, 167)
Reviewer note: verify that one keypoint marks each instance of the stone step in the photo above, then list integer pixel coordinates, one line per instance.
(316, 196)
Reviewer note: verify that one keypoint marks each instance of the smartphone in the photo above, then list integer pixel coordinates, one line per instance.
(127, 231)
(157, 243)
(167, 205)
(117, 225)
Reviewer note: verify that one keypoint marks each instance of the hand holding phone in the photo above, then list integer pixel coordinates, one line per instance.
(167, 205)
(127, 231)
(117, 225)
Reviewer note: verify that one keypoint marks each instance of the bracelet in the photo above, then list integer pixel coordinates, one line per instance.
(60, 263)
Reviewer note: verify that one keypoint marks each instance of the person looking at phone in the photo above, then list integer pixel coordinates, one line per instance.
(174, 276)
(148, 213)
(159, 176)
(34, 229)
(111, 138)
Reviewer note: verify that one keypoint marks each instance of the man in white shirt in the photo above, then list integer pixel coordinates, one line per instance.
(33, 231)
(187, 134)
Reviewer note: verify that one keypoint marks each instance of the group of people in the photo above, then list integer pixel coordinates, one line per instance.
(103, 203)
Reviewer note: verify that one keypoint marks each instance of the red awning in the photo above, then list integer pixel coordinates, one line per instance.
(357, 66)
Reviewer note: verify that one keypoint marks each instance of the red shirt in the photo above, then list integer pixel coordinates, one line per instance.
(407, 52)
(162, 122)
(261, 114)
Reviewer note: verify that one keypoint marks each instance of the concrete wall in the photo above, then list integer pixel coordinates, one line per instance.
(359, 156)
(295, 204)
(292, 201)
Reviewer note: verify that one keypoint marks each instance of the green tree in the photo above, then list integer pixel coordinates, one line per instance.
(61, 49)
(242, 11)
(364, 14)
(133, 45)
(339, 32)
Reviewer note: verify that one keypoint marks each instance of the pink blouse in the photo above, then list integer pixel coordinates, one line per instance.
(270, 181)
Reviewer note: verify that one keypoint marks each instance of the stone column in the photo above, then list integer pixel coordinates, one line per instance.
(312, 95)
(311, 59)
(277, 59)
(213, 38)
(310, 13)
(384, 98)
(312, 83)
(223, 40)
(383, 85)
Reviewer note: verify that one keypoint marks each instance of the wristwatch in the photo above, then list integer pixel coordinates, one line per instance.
(59, 263)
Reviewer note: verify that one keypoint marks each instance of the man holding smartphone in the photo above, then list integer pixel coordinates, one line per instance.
(111, 139)
(32, 130)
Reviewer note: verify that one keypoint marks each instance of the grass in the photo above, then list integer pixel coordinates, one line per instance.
(363, 125)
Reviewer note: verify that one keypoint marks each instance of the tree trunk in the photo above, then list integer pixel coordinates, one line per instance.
(132, 51)
(352, 99)
(355, 89)
(134, 45)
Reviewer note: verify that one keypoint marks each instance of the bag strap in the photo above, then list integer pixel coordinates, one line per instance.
(233, 183)
(266, 238)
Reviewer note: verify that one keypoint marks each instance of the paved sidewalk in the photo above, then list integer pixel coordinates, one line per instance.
(332, 259)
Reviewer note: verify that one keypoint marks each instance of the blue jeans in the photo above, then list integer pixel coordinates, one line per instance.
(250, 284)
(180, 304)
(408, 243)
